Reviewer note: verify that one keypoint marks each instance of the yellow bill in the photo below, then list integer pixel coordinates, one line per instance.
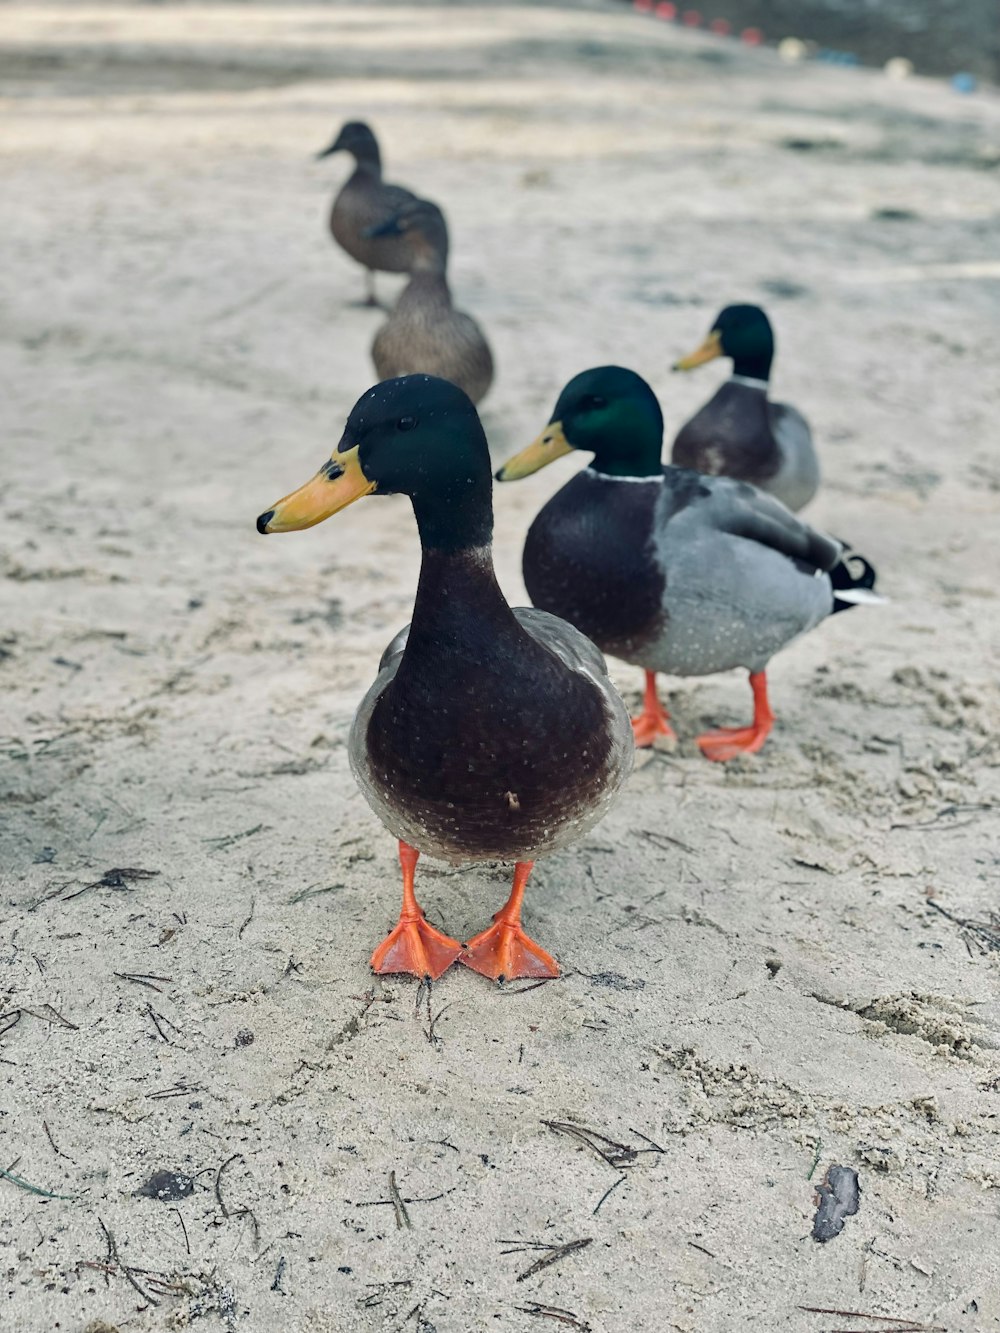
(708, 351)
(337, 484)
(549, 446)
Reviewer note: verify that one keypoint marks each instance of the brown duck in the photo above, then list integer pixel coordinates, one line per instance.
(425, 334)
(364, 201)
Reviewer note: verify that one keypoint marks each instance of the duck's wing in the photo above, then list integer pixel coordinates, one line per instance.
(790, 429)
(744, 511)
(797, 478)
(394, 650)
(394, 197)
(568, 644)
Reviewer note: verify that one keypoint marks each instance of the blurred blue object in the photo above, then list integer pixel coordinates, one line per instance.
(964, 83)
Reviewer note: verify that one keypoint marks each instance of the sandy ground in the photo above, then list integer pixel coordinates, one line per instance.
(766, 967)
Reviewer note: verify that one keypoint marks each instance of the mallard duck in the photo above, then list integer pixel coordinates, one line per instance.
(364, 200)
(740, 432)
(425, 334)
(669, 569)
(489, 733)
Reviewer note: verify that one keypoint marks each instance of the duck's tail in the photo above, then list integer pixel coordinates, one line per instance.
(853, 579)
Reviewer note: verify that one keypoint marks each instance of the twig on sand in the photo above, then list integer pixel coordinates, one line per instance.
(228, 839)
(119, 877)
(554, 1312)
(243, 1211)
(610, 1190)
(53, 1016)
(7, 1021)
(658, 839)
(156, 1023)
(187, 1243)
(946, 811)
(239, 933)
(815, 1160)
(556, 1252)
(432, 1036)
(398, 1206)
(618, 1155)
(123, 1268)
(143, 979)
(218, 1181)
(55, 1147)
(505, 989)
(898, 1324)
(985, 933)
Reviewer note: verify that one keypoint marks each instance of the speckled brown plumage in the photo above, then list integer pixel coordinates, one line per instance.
(425, 334)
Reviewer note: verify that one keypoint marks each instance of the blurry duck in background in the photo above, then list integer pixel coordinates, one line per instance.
(739, 432)
(425, 334)
(365, 200)
(668, 569)
(489, 734)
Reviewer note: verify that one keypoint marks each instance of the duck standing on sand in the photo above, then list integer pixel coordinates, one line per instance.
(425, 334)
(489, 734)
(668, 569)
(365, 200)
(740, 432)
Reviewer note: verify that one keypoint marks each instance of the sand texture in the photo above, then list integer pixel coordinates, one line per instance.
(772, 968)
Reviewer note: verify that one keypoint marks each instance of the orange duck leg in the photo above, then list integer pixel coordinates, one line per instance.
(503, 951)
(414, 946)
(654, 720)
(728, 742)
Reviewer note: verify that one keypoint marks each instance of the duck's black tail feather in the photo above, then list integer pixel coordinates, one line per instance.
(853, 579)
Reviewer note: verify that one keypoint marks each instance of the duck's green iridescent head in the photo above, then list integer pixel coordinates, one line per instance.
(418, 436)
(744, 334)
(609, 412)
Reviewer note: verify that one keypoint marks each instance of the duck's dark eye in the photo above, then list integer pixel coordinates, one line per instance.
(595, 400)
(406, 423)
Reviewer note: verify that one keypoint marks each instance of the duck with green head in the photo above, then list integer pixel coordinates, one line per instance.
(668, 569)
(489, 733)
(740, 432)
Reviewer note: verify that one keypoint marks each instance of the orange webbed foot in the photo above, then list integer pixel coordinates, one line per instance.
(728, 742)
(647, 727)
(503, 952)
(413, 946)
(654, 720)
(417, 948)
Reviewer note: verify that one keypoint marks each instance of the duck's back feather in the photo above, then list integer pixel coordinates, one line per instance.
(425, 334)
(686, 574)
(367, 201)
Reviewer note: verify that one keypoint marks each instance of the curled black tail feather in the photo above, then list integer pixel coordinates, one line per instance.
(852, 571)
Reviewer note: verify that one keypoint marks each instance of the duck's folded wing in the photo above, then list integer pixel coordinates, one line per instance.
(572, 647)
(744, 511)
(394, 649)
(395, 197)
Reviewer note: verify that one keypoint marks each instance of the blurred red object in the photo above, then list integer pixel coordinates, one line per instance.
(643, 6)
(721, 26)
(665, 10)
(752, 36)
(691, 18)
